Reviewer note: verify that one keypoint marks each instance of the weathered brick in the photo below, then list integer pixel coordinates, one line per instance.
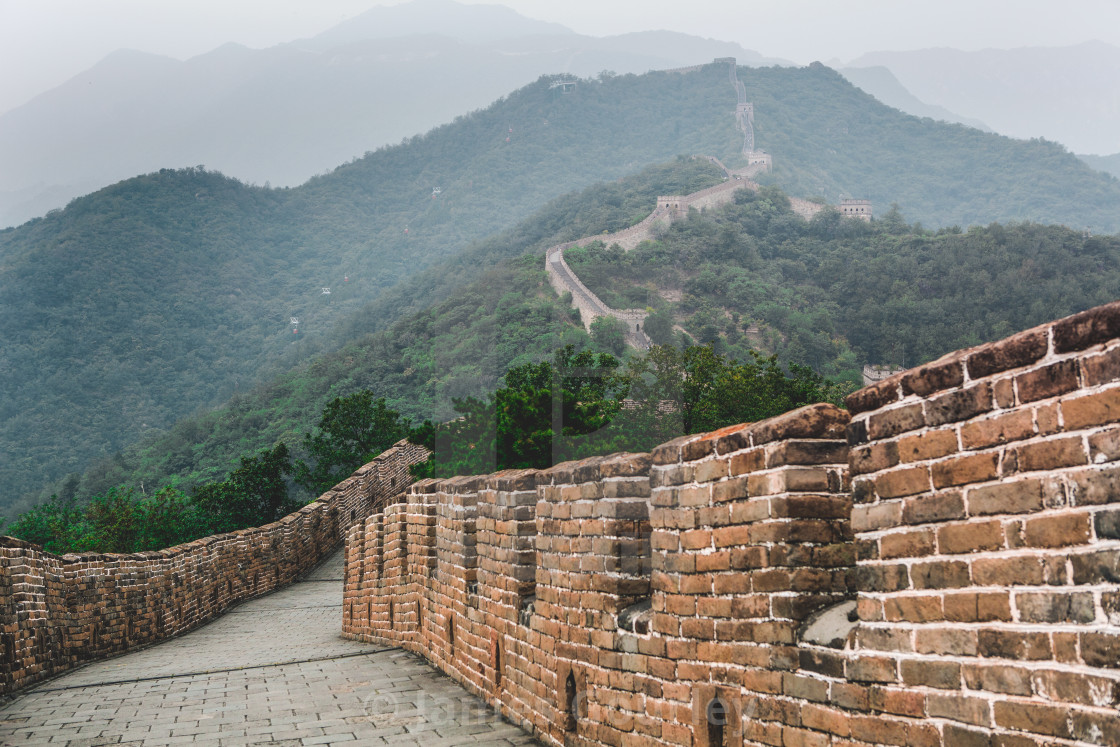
(934, 377)
(1048, 455)
(1048, 381)
(1099, 567)
(960, 405)
(1093, 409)
(928, 445)
(1014, 352)
(1101, 369)
(942, 675)
(970, 537)
(960, 708)
(1055, 607)
(940, 575)
(1057, 530)
(1009, 644)
(867, 668)
(1104, 446)
(872, 516)
(1100, 649)
(902, 482)
(943, 506)
(998, 429)
(958, 736)
(906, 544)
(1027, 570)
(1011, 680)
(972, 606)
(1018, 497)
(945, 641)
(913, 608)
(882, 578)
(747, 461)
(1032, 717)
(965, 470)
(1091, 327)
(873, 457)
(1094, 487)
(890, 423)
(873, 397)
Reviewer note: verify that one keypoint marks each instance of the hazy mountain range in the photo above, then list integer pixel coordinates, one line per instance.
(141, 302)
(285, 113)
(397, 71)
(1068, 94)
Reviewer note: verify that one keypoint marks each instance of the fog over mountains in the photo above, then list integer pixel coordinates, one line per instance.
(282, 114)
(1068, 94)
(285, 113)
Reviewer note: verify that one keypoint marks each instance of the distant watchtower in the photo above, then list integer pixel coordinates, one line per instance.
(856, 209)
(676, 205)
(563, 85)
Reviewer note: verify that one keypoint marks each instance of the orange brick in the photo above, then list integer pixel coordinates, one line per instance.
(1095, 409)
(928, 445)
(902, 482)
(999, 429)
(965, 470)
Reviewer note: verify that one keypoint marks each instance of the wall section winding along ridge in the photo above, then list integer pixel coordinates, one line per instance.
(60, 611)
(938, 565)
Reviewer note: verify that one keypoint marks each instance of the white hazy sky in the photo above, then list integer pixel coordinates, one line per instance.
(45, 42)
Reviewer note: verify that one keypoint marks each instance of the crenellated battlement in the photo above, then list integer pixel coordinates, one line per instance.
(938, 567)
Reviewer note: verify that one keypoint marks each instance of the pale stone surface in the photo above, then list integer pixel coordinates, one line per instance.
(272, 671)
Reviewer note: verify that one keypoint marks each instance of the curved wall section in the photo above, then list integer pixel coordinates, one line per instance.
(938, 568)
(60, 611)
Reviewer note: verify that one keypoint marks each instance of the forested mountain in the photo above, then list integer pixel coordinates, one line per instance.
(832, 139)
(831, 293)
(139, 303)
(1109, 164)
(503, 313)
(835, 294)
(881, 83)
(386, 74)
(168, 292)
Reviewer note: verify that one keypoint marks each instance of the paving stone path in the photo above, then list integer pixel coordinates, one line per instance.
(271, 671)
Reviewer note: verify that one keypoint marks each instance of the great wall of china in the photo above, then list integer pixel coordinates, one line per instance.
(937, 565)
(57, 612)
(670, 208)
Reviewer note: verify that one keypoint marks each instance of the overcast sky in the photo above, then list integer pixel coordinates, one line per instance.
(45, 42)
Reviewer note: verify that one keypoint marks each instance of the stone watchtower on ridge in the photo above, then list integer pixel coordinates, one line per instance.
(856, 209)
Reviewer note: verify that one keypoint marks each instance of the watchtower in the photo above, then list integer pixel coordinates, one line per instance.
(675, 204)
(856, 209)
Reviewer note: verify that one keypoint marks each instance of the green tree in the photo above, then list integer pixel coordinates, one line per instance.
(351, 431)
(609, 334)
(255, 493)
(659, 326)
(545, 413)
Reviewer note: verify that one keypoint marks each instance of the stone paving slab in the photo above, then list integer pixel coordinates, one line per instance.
(271, 671)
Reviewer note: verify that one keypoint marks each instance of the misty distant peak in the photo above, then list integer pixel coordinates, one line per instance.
(470, 23)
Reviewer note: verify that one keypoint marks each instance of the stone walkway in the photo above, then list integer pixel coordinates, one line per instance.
(271, 671)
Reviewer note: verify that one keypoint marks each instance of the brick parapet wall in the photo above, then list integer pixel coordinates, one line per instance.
(611, 585)
(985, 487)
(60, 611)
(941, 567)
